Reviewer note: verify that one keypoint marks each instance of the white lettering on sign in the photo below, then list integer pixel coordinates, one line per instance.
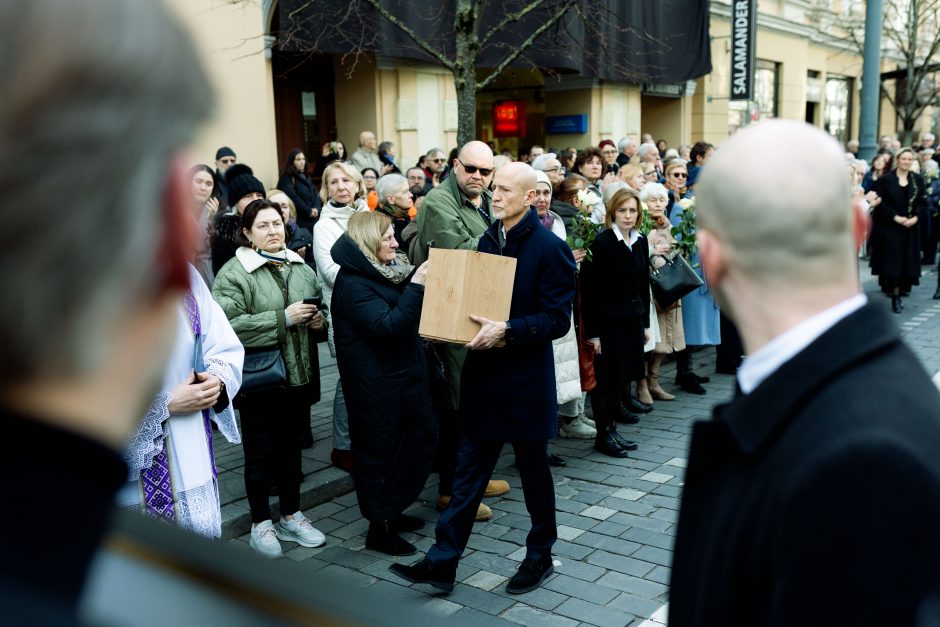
(740, 57)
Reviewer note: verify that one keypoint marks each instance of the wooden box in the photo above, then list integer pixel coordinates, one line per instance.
(460, 283)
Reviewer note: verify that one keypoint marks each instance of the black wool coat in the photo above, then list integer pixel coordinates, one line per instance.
(508, 394)
(815, 499)
(895, 249)
(384, 375)
(615, 284)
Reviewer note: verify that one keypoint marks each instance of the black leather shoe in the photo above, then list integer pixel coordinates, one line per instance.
(626, 417)
(700, 378)
(530, 576)
(557, 460)
(635, 404)
(688, 383)
(896, 304)
(440, 576)
(405, 523)
(608, 445)
(936, 295)
(627, 445)
(384, 539)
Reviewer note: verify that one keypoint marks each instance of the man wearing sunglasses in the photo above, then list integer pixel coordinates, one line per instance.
(454, 215)
(434, 164)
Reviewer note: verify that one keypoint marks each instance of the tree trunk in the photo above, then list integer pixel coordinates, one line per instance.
(467, 112)
(466, 49)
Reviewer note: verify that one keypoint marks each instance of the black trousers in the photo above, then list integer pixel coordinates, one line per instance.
(271, 428)
(448, 444)
(475, 463)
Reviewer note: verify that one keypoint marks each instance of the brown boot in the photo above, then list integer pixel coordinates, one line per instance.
(656, 390)
(643, 392)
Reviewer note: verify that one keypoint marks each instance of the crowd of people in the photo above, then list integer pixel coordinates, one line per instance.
(344, 262)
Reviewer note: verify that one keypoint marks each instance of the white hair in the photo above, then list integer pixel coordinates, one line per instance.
(653, 190)
(646, 149)
(784, 219)
(542, 160)
(624, 143)
(671, 153)
(389, 185)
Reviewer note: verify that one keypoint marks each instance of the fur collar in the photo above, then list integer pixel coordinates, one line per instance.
(251, 260)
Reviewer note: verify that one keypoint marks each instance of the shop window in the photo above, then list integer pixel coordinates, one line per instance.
(838, 107)
(765, 103)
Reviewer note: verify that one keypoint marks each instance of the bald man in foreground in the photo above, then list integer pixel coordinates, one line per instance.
(507, 391)
(813, 498)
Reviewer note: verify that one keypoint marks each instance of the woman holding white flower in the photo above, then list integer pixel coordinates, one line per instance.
(590, 165)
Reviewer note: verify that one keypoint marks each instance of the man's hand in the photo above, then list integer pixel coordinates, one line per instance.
(579, 254)
(316, 322)
(492, 334)
(196, 393)
(595, 343)
(388, 169)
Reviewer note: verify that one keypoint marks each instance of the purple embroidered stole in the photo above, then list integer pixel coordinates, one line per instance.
(156, 480)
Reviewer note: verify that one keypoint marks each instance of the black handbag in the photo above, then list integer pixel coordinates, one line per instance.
(672, 281)
(264, 370)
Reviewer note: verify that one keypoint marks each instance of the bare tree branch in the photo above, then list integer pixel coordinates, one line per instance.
(418, 40)
(512, 56)
(509, 18)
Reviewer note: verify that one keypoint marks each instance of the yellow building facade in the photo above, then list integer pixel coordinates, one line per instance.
(804, 73)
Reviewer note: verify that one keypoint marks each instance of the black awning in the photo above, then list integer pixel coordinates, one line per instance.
(661, 41)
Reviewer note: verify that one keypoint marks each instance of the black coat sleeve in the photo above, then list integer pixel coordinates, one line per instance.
(642, 250)
(556, 282)
(371, 315)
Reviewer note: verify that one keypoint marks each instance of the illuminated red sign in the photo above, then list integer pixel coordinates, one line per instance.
(509, 118)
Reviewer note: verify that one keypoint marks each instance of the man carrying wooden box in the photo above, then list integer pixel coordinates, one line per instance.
(508, 388)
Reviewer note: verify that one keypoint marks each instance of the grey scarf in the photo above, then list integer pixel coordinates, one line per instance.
(396, 271)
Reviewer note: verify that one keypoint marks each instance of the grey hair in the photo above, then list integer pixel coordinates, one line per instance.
(647, 148)
(612, 189)
(653, 190)
(542, 160)
(433, 151)
(624, 143)
(672, 153)
(114, 90)
(388, 185)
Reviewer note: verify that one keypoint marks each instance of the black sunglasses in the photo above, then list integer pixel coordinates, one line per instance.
(472, 169)
(681, 175)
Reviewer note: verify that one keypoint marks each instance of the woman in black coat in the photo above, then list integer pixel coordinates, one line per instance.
(895, 238)
(615, 310)
(376, 304)
(295, 183)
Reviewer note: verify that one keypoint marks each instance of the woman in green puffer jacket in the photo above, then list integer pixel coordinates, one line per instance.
(261, 290)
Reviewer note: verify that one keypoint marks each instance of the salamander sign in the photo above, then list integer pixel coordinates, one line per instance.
(743, 27)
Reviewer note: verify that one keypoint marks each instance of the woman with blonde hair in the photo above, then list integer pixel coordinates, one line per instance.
(342, 191)
(633, 176)
(376, 311)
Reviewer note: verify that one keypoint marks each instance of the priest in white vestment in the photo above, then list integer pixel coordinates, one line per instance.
(171, 462)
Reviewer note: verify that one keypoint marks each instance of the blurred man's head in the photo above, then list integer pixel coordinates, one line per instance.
(367, 140)
(784, 223)
(224, 159)
(435, 161)
(416, 177)
(116, 90)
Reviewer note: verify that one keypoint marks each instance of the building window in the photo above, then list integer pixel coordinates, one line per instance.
(764, 105)
(838, 112)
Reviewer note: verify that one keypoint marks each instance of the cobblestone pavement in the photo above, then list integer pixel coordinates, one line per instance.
(616, 517)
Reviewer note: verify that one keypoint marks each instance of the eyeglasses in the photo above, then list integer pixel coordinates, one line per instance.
(680, 175)
(472, 169)
(608, 152)
(557, 168)
(437, 160)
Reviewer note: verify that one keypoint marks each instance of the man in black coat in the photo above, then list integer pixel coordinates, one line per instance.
(508, 388)
(813, 497)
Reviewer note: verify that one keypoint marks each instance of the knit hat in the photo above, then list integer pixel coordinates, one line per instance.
(240, 182)
(607, 142)
(224, 151)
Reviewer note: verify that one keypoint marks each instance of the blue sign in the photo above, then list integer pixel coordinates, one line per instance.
(566, 124)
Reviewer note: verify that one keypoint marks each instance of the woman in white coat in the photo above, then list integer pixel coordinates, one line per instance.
(572, 423)
(341, 192)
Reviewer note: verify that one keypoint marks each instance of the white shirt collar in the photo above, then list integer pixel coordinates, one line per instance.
(634, 236)
(763, 363)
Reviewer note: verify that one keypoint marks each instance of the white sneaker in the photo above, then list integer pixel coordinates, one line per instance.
(576, 429)
(299, 530)
(588, 421)
(264, 540)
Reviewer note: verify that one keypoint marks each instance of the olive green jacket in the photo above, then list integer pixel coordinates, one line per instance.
(447, 222)
(254, 294)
